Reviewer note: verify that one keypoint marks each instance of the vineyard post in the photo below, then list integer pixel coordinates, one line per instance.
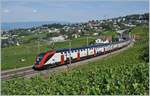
(70, 51)
(38, 44)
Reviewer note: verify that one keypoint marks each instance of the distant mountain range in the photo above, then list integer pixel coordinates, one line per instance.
(10, 26)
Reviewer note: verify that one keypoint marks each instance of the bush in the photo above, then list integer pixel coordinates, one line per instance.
(145, 54)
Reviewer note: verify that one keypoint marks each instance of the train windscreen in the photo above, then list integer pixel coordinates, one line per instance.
(39, 58)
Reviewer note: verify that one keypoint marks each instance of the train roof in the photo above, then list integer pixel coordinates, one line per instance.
(90, 46)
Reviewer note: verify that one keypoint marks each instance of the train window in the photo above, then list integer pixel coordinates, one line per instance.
(39, 58)
(48, 58)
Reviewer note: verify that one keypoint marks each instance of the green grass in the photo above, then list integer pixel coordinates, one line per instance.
(11, 56)
(109, 33)
(31, 38)
(124, 74)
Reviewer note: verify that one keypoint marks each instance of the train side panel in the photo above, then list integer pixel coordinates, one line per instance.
(76, 54)
(54, 59)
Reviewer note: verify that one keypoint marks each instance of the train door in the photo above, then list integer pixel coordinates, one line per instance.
(104, 50)
(94, 52)
(78, 55)
(62, 59)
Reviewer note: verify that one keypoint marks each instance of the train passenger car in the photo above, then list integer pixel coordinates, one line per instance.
(67, 55)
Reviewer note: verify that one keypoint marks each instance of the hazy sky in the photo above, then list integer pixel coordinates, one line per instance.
(67, 10)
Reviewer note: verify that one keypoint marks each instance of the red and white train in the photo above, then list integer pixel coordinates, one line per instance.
(67, 55)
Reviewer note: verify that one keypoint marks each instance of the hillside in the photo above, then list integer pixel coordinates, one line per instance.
(125, 73)
(12, 56)
(21, 46)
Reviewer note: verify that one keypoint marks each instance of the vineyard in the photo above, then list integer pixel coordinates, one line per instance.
(123, 73)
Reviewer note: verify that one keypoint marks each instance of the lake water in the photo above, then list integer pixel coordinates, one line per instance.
(9, 26)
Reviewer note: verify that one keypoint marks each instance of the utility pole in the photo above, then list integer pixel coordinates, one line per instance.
(38, 46)
(53, 45)
(70, 52)
(110, 46)
(87, 41)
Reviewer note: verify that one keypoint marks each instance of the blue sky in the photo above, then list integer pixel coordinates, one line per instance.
(69, 11)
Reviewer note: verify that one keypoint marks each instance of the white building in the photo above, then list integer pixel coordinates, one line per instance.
(129, 25)
(75, 35)
(79, 31)
(17, 43)
(95, 34)
(58, 39)
(53, 30)
(4, 38)
(97, 41)
(124, 19)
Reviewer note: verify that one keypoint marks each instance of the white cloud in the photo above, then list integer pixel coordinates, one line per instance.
(34, 11)
(6, 11)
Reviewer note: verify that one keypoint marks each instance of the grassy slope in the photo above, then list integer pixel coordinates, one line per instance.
(109, 33)
(11, 56)
(124, 73)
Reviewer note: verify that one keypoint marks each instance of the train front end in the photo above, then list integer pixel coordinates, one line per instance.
(41, 59)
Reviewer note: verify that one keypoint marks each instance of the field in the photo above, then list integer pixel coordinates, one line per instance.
(12, 56)
(109, 33)
(125, 73)
(24, 55)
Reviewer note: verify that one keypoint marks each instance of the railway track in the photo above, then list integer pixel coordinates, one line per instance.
(29, 72)
(5, 75)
